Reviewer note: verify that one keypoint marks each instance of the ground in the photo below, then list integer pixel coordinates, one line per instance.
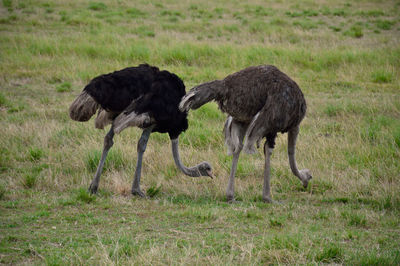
(344, 55)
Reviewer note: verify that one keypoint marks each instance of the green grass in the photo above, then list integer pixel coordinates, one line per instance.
(396, 136)
(355, 31)
(2, 191)
(330, 253)
(345, 57)
(96, 6)
(84, 196)
(382, 76)
(35, 154)
(3, 100)
(134, 12)
(64, 87)
(7, 3)
(384, 24)
(29, 180)
(114, 160)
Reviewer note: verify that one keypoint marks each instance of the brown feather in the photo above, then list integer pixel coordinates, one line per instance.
(262, 97)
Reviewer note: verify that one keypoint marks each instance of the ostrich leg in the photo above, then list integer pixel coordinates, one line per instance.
(267, 171)
(230, 191)
(305, 174)
(108, 142)
(141, 147)
(234, 134)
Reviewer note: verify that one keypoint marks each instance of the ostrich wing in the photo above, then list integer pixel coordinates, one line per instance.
(132, 119)
(131, 107)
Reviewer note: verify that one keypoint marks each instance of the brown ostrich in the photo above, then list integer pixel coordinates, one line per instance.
(261, 101)
(143, 97)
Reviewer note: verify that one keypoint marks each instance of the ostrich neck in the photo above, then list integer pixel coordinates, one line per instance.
(214, 89)
(292, 137)
(216, 85)
(192, 171)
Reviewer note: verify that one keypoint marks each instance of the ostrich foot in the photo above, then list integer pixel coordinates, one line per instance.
(305, 176)
(234, 201)
(271, 201)
(230, 199)
(138, 192)
(93, 188)
(267, 200)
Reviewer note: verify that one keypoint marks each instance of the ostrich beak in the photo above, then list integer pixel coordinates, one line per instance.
(210, 174)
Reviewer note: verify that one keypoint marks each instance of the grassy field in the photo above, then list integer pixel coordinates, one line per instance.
(345, 56)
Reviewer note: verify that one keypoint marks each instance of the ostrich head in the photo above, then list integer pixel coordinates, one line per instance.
(205, 169)
(202, 169)
(305, 176)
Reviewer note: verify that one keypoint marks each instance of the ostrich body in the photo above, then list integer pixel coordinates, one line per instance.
(141, 96)
(261, 101)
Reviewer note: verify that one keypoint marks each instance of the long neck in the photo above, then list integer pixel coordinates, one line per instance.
(206, 92)
(292, 137)
(211, 89)
(215, 85)
(192, 171)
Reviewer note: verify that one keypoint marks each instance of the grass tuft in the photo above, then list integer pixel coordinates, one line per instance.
(355, 219)
(306, 24)
(396, 136)
(370, 132)
(29, 180)
(153, 191)
(330, 253)
(382, 76)
(97, 6)
(3, 100)
(355, 31)
(144, 31)
(332, 110)
(64, 87)
(276, 221)
(372, 13)
(340, 12)
(375, 258)
(84, 196)
(2, 191)
(114, 160)
(335, 28)
(135, 13)
(7, 3)
(35, 154)
(384, 24)
(283, 242)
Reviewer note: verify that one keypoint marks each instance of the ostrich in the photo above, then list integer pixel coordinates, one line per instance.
(141, 96)
(261, 101)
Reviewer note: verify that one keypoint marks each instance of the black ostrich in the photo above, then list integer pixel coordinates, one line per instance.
(141, 96)
(261, 101)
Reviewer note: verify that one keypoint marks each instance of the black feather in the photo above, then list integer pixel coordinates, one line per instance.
(143, 89)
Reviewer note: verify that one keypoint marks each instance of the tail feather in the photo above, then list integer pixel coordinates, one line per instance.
(228, 136)
(251, 138)
(83, 108)
(234, 132)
